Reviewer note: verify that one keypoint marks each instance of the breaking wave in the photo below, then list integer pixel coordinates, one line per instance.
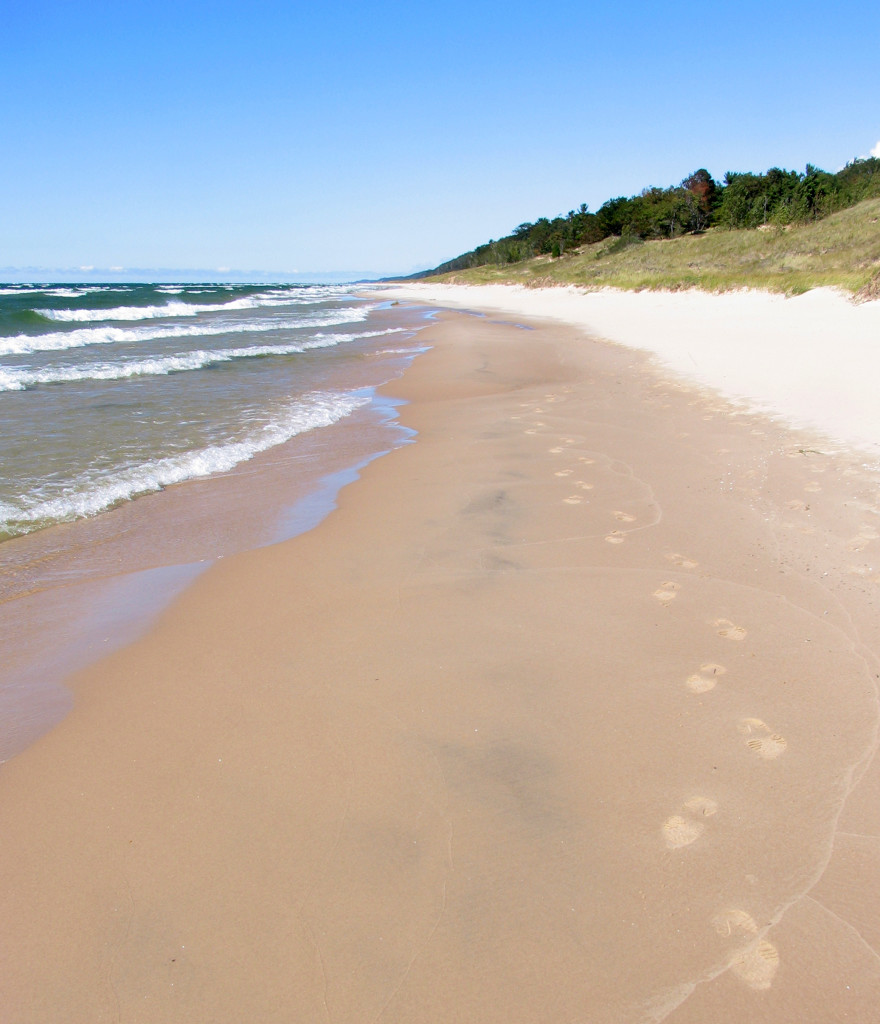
(21, 344)
(90, 495)
(15, 379)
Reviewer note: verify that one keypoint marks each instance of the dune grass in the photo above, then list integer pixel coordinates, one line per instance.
(841, 251)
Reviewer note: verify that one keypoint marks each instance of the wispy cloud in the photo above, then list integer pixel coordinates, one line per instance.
(876, 151)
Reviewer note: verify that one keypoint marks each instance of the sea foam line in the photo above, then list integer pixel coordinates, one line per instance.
(171, 308)
(88, 496)
(21, 344)
(14, 379)
(61, 292)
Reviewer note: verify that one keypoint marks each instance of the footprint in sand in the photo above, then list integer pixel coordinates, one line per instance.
(624, 517)
(862, 539)
(682, 830)
(563, 472)
(530, 431)
(555, 451)
(800, 527)
(679, 831)
(761, 739)
(728, 630)
(584, 486)
(706, 678)
(616, 537)
(666, 591)
(796, 506)
(573, 499)
(812, 487)
(755, 963)
(685, 563)
(586, 460)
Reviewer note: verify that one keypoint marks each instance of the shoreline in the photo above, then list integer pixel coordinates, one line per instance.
(73, 592)
(569, 711)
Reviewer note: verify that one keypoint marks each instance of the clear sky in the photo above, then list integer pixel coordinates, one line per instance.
(389, 136)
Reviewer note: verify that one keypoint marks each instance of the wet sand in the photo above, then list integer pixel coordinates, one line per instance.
(568, 713)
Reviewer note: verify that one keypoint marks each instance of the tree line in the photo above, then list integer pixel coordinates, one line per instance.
(742, 200)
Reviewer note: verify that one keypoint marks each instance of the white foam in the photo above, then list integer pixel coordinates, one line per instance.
(21, 344)
(75, 293)
(144, 312)
(9, 381)
(89, 495)
(14, 379)
(175, 308)
(400, 351)
(63, 293)
(7, 512)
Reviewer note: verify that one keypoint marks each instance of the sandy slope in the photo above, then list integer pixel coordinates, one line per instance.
(814, 359)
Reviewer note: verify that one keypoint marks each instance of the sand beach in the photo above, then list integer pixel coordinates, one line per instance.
(567, 713)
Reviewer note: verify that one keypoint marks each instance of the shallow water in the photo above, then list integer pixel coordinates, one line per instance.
(261, 402)
(105, 395)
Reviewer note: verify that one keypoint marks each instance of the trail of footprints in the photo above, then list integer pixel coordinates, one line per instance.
(754, 959)
(616, 536)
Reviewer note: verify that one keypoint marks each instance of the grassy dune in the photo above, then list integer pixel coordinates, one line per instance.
(842, 251)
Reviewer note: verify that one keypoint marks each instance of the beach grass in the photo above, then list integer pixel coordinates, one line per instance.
(841, 251)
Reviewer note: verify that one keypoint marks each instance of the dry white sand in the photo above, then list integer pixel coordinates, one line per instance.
(813, 359)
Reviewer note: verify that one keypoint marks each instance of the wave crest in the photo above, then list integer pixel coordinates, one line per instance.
(174, 308)
(89, 496)
(22, 344)
(14, 379)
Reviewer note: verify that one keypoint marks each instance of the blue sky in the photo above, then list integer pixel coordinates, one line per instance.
(391, 136)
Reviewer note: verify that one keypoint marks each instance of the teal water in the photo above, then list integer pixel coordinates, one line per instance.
(110, 392)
